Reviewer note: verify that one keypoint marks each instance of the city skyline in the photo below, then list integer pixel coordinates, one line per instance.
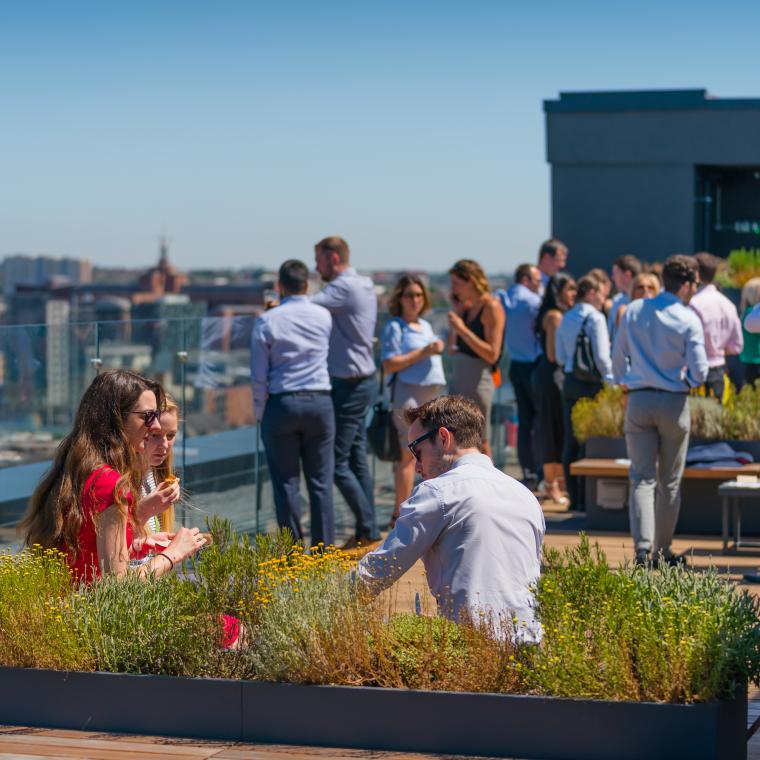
(248, 131)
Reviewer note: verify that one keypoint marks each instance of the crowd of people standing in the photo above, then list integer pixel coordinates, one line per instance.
(559, 333)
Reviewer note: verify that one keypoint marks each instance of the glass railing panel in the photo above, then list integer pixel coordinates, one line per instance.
(205, 364)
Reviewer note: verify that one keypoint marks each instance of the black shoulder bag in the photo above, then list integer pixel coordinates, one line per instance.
(584, 366)
(381, 431)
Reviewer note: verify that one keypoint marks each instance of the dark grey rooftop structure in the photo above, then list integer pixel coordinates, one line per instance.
(653, 173)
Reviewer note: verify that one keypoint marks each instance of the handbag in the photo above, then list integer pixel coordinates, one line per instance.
(381, 431)
(584, 366)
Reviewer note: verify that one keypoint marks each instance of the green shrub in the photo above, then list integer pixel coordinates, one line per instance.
(600, 416)
(673, 636)
(228, 572)
(35, 587)
(313, 627)
(435, 653)
(626, 634)
(151, 625)
(742, 265)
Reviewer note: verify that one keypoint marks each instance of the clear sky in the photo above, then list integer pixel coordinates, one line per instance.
(248, 130)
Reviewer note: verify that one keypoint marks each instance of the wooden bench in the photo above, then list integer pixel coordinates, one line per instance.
(702, 511)
(610, 468)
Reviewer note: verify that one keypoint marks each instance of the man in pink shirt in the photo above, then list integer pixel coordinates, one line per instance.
(723, 329)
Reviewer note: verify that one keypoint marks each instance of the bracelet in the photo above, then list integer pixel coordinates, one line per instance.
(167, 558)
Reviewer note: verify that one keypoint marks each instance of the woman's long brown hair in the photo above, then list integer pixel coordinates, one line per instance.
(55, 516)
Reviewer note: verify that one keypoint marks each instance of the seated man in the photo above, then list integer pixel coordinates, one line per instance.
(478, 531)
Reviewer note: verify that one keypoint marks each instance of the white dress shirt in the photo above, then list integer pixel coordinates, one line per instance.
(660, 344)
(479, 534)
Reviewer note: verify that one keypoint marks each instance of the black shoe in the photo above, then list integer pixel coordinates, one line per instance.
(642, 559)
(672, 560)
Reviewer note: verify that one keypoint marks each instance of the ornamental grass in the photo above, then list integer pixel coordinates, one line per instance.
(626, 634)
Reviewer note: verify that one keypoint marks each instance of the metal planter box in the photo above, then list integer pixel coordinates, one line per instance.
(368, 718)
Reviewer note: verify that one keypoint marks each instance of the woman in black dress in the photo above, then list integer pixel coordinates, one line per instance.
(547, 382)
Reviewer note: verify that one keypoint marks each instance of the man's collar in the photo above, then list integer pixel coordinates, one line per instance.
(478, 459)
(668, 297)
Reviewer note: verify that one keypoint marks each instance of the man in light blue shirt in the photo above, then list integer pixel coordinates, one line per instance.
(351, 300)
(291, 398)
(624, 271)
(521, 304)
(586, 315)
(659, 355)
(478, 532)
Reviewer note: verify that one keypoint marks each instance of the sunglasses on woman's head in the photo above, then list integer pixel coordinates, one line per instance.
(149, 416)
(413, 445)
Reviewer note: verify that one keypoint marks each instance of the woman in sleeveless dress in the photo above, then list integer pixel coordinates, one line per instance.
(475, 338)
(546, 382)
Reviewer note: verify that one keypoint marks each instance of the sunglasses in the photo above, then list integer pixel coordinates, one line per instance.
(150, 416)
(413, 445)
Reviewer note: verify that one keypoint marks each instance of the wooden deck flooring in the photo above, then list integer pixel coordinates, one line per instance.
(562, 531)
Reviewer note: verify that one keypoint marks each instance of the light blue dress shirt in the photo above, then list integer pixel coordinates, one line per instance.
(351, 300)
(660, 344)
(521, 306)
(399, 338)
(617, 302)
(479, 534)
(596, 329)
(289, 348)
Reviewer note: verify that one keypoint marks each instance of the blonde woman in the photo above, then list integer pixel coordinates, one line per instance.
(160, 487)
(475, 339)
(645, 285)
(411, 353)
(159, 483)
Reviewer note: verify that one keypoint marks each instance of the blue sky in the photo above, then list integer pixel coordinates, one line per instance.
(248, 130)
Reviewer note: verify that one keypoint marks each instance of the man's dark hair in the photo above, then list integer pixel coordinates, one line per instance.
(457, 414)
(679, 269)
(708, 266)
(600, 276)
(628, 263)
(551, 246)
(335, 244)
(294, 276)
(523, 271)
(586, 284)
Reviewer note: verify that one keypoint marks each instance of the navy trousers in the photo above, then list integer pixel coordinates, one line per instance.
(300, 429)
(520, 375)
(352, 399)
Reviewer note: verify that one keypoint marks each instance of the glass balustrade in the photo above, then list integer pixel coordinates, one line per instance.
(205, 364)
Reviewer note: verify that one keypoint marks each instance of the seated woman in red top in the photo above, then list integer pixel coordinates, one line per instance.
(85, 505)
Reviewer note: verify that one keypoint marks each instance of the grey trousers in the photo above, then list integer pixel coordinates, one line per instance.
(656, 435)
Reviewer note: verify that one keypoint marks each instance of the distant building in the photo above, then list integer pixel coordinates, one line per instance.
(39, 270)
(161, 279)
(652, 173)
